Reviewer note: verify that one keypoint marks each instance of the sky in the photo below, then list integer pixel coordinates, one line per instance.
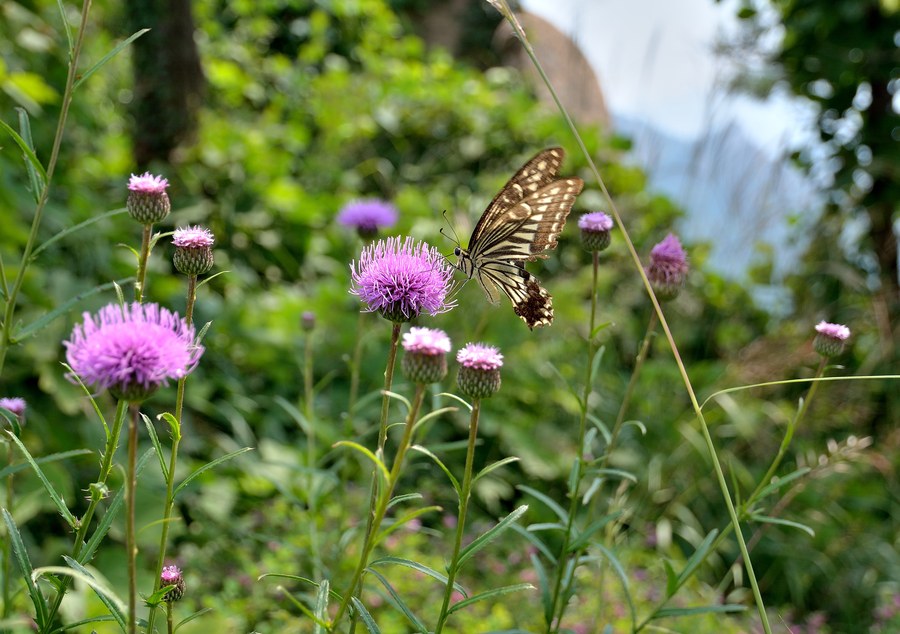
(655, 62)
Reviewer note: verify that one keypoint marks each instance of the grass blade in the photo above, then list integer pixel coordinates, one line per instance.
(37, 183)
(364, 616)
(425, 570)
(490, 535)
(93, 69)
(210, 465)
(57, 499)
(399, 603)
(21, 555)
(490, 594)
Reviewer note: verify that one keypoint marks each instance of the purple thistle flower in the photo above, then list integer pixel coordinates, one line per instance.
(401, 279)
(193, 250)
(425, 355)
(148, 201)
(308, 321)
(830, 338)
(595, 228)
(172, 576)
(368, 216)
(479, 370)
(132, 350)
(668, 267)
(15, 405)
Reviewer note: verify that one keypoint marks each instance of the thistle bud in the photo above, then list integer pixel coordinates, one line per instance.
(148, 202)
(193, 250)
(171, 576)
(479, 370)
(425, 355)
(595, 231)
(668, 268)
(830, 338)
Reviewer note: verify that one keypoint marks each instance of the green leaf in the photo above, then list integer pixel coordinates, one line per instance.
(103, 618)
(399, 603)
(296, 414)
(64, 16)
(493, 467)
(57, 499)
(442, 466)
(21, 555)
(489, 594)
(765, 519)
(115, 605)
(191, 617)
(561, 513)
(26, 150)
(207, 280)
(121, 406)
(364, 616)
(37, 183)
(671, 579)
(458, 399)
(434, 414)
(322, 607)
(368, 454)
(618, 473)
(63, 455)
(45, 319)
(154, 439)
(535, 541)
(582, 538)
(620, 572)
(544, 586)
(403, 519)
(74, 228)
(174, 425)
(434, 574)
(93, 69)
(780, 482)
(490, 535)
(399, 499)
(706, 609)
(208, 466)
(697, 558)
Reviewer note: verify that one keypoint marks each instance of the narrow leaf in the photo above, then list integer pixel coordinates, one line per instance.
(63, 455)
(174, 425)
(490, 535)
(561, 513)
(544, 585)
(322, 607)
(64, 16)
(582, 538)
(535, 541)
(458, 399)
(697, 558)
(399, 499)
(364, 616)
(490, 594)
(208, 466)
(766, 519)
(57, 499)
(671, 579)
(434, 574)
(493, 467)
(706, 609)
(21, 555)
(780, 482)
(93, 69)
(403, 519)
(154, 439)
(399, 603)
(368, 454)
(44, 320)
(620, 572)
(74, 228)
(115, 606)
(440, 464)
(37, 183)
(191, 617)
(27, 151)
(614, 473)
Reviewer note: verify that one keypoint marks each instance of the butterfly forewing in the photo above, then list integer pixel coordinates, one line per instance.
(522, 222)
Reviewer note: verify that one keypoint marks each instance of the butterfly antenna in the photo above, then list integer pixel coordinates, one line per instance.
(455, 237)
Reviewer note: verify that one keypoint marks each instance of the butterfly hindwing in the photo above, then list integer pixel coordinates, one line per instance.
(520, 223)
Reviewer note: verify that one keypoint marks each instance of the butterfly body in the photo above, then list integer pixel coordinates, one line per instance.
(522, 222)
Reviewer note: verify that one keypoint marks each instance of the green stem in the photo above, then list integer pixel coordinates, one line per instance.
(173, 458)
(170, 627)
(7, 543)
(503, 6)
(384, 498)
(388, 382)
(98, 494)
(461, 519)
(312, 498)
(139, 284)
(562, 561)
(68, 93)
(130, 546)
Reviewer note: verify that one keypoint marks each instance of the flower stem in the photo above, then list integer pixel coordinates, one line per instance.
(461, 518)
(388, 382)
(7, 543)
(139, 284)
(68, 93)
(312, 496)
(562, 561)
(173, 458)
(170, 629)
(130, 546)
(384, 498)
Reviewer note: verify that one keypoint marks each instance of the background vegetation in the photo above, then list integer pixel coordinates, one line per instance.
(308, 105)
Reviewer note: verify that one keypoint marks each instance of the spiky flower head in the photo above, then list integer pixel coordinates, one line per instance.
(595, 230)
(425, 355)
(368, 216)
(830, 338)
(148, 202)
(668, 268)
(308, 321)
(402, 278)
(132, 350)
(193, 250)
(171, 576)
(479, 370)
(16, 405)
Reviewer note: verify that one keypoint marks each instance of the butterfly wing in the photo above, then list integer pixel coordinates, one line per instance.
(530, 300)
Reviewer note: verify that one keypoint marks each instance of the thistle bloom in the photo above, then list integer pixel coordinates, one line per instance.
(132, 350)
(668, 267)
(368, 216)
(479, 370)
(402, 279)
(308, 321)
(425, 355)
(595, 228)
(148, 202)
(193, 250)
(171, 576)
(17, 406)
(830, 338)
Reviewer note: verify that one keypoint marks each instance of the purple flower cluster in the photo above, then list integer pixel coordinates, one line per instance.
(172, 576)
(14, 404)
(147, 183)
(595, 228)
(425, 355)
(368, 216)
(132, 350)
(830, 338)
(402, 279)
(668, 267)
(193, 237)
(479, 356)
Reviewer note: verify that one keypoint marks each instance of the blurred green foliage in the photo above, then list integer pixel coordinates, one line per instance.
(312, 104)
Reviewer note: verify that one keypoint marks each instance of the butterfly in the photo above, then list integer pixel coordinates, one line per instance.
(522, 222)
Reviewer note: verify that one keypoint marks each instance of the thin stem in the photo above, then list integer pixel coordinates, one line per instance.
(130, 546)
(7, 543)
(173, 458)
(388, 382)
(170, 627)
(312, 497)
(579, 460)
(503, 6)
(139, 284)
(381, 507)
(461, 519)
(98, 494)
(68, 93)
